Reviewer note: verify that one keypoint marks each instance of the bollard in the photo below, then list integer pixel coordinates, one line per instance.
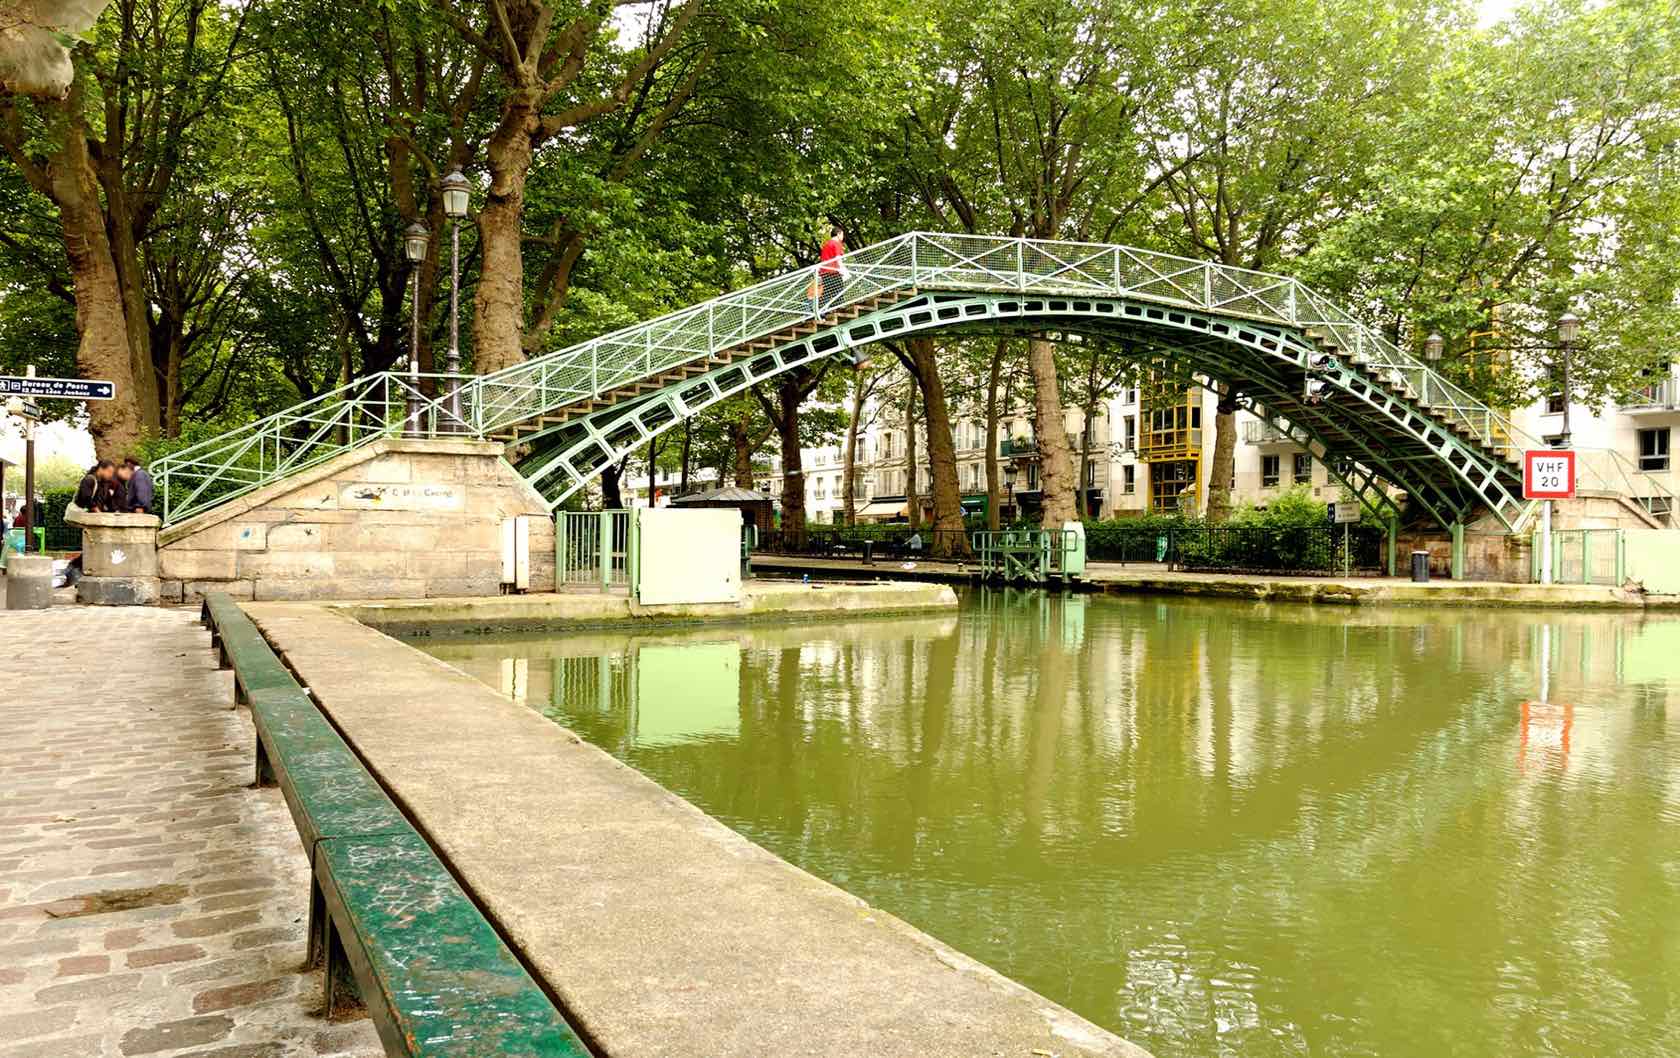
(29, 582)
(1420, 567)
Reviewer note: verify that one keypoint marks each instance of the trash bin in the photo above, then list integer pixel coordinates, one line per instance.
(869, 552)
(1420, 567)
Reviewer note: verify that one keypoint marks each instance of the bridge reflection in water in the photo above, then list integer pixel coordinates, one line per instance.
(1219, 828)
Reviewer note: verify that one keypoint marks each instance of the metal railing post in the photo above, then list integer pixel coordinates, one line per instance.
(606, 550)
(560, 549)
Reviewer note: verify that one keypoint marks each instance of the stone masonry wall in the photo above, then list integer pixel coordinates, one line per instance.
(400, 519)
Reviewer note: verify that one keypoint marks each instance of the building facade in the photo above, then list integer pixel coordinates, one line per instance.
(1152, 453)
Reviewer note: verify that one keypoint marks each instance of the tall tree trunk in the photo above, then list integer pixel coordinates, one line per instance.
(131, 280)
(499, 300)
(740, 443)
(942, 452)
(612, 497)
(103, 347)
(1224, 462)
(788, 398)
(653, 467)
(848, 486)
(912, 498)
(994, 476)
(1055, 461)
(687, 456)
(1087, 430)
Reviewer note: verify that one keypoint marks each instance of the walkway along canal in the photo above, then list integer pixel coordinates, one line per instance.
(1216, 828)
(659, 931)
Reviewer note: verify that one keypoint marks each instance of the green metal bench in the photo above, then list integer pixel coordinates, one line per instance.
(387, 919)
(232, 632)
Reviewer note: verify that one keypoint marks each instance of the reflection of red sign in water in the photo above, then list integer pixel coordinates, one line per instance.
(1545, 730)
(1549, 474)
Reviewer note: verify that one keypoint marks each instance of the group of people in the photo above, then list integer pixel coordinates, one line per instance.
(116, 488)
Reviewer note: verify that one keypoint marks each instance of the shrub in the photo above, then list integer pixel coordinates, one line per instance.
(60, 537)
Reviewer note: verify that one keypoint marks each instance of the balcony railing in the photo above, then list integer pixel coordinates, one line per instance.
(1658, 396)
(1264, 432)
(1018, 446)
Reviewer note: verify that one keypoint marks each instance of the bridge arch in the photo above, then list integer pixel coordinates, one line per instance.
(1364, 429)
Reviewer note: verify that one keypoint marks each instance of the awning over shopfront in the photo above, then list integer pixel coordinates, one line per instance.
(883, 509)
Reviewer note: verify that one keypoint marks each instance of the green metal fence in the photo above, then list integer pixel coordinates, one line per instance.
(1584, 556)
(594, 550)
(1030, 554)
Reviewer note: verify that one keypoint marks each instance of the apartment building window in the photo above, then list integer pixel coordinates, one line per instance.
(1653, 449)
(1128, 433)
(1303, 468)
(1128, 480)
(1269, 471)
(1032, 477)
(1554, 394)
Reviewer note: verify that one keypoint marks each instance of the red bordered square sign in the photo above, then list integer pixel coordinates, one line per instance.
(1549, 474)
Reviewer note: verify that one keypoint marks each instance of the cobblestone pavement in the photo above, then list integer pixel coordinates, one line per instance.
(151, 902)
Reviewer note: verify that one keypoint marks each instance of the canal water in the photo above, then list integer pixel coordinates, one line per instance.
(1216, 828)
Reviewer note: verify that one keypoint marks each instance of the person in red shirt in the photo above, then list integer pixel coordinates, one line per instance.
(831, 272)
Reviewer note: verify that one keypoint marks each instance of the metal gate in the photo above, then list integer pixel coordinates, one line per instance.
(1585, 556)
(593, 550)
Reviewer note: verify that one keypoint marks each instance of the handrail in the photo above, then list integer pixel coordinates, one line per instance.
(355, 414)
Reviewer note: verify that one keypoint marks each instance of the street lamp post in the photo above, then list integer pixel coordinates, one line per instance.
(456, 197)
(1568, 328)
(1009, 473)
(415, 239)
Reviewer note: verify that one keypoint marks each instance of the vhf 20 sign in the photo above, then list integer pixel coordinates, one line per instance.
(1549, 474)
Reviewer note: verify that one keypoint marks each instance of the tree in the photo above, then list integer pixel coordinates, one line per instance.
(557, 72)
(1535, 175)
(109, 155)
(1266, 141)
(1030, 122)
(791, 390)
(918, 355)
(864, 382)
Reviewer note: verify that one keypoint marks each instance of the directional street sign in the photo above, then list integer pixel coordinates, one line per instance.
(57, 388)
(1549, 474)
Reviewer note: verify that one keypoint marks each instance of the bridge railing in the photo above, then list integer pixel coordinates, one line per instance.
(232, 464)
(199, 477)
(613, 360)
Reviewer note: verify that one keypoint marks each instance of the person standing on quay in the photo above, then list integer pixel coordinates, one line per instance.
(831, 272)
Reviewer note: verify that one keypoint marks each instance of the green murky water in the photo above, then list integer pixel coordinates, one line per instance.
(1216, 828)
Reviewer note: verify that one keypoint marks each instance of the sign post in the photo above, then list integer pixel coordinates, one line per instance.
(18, 391)
(1548, 474)
(1345, 512)
(56, 388)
